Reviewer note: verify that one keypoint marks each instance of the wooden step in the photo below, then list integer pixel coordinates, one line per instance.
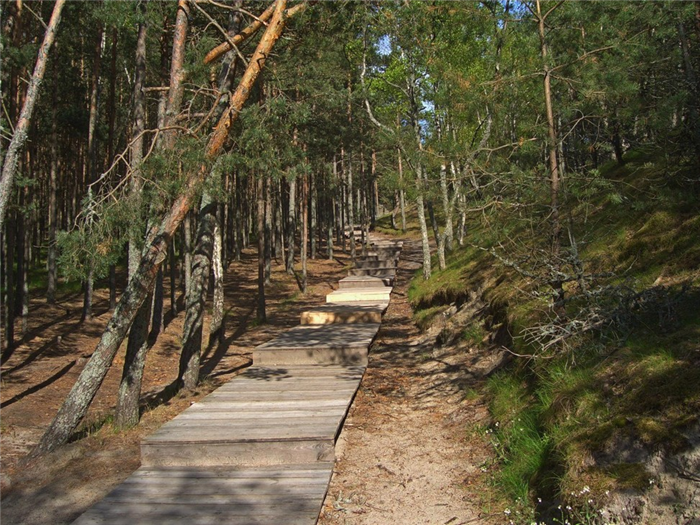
(384, 253)
(339, 344)
(290, 494)
(379, 265)
(348, 295)
(372, 272)
(332, 314)
(265, 416)
(365, 281)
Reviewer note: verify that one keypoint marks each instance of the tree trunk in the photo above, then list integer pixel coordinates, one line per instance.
(291, 226)
(21, 129)
(127, 410)
(261, 316)
(268, 231)
(351, 214)
(313, 209)
(188, 376)
(423, 225)
(217, 324)
(10, 247)
(552, 136)
(447, 207)
(23, 266)
(187, 249)
(158, 306)
(88, 286)
(53, 208)
(173, 278)
(402, 199)
(304, 229)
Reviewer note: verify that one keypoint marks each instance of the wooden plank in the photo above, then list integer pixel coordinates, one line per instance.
(241, 454)
(376, 272)
(215, 413)
(324, 336)
(277, 409)
(278, 472)
(284, 395)
(191, 433)
(355, 355)
(365, 281)
(200, 519)
(240, 425)
(346, 295)
(307, 385)
(146, 512)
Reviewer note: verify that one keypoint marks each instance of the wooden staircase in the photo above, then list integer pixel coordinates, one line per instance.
(261, 448)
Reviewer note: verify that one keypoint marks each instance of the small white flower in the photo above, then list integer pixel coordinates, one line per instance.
(607, 493)
(539, 500)
(506, 512)
(590, 501)
(568, 507)
(586, 490)
(651, 482)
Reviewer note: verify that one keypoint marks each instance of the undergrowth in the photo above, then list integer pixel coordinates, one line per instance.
(625, 374)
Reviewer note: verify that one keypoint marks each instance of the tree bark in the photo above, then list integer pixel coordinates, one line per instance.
(10, 247)
(423, 225)
(402, 199)
(188, 375)
(19, 136)
(304, 229)
(268, 230)
(261, 316)
(291, 226)
(127, 409)
(217, 325)
(53, 207)
(554, 181)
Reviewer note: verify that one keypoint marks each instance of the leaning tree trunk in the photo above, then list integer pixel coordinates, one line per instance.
(81, 395)
(127, 410)
(21, 129)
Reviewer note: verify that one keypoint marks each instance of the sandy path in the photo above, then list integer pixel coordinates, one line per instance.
(404, 456)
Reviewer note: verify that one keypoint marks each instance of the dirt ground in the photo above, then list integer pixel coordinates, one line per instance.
(405, 456)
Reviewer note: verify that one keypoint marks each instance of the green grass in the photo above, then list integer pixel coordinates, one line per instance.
(635, 382)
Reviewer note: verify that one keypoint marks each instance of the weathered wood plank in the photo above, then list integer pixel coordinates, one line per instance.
(156, 454)
(324, 336)
(229, 414)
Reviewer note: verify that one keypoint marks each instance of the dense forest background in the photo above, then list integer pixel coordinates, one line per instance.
(545, 153)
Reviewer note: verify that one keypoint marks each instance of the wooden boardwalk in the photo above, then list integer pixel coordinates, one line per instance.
(260, 449)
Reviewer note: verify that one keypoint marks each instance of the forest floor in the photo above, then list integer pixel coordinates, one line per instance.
(404, 456)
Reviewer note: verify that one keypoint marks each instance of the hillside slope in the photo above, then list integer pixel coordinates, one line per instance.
(595, 417)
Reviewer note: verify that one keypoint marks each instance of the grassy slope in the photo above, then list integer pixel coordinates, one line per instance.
(560, 417)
